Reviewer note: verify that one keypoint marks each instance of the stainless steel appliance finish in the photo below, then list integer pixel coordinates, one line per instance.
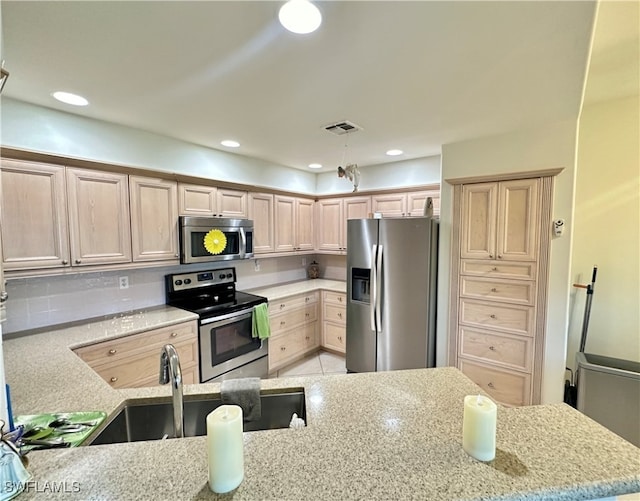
(238, 232)
(225, 343)
(609, 393)
(391, 293)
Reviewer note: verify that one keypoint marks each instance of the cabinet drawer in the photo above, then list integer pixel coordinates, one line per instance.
(335, 313)
(512, 291)
(507, 387)
(335, 337)
(292, 318)
(309, 336)
(335, 297)
(134, 370)
(510, 351)
(498, 269)
(118, 349)
(290, 303)
(514, 319)
(190, 375)
(283, 347)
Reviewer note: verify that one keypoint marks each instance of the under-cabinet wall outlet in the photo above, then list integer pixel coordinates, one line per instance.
(256, 265)
(124, 282)
(304, 262)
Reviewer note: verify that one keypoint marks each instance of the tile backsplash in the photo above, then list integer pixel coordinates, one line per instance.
(42, 301)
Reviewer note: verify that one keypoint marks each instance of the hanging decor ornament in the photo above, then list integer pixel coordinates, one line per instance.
(349, 171)
(215, 241)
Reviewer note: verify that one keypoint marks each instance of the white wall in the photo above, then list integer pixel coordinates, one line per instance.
(607, 230)
(29, 127)
(43, 301)
(550, 146)
(425, 170)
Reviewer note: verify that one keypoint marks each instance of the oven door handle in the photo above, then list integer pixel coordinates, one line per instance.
(220, 318)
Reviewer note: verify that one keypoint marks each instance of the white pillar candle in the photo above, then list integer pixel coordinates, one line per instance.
(225, 448)
(479, 427)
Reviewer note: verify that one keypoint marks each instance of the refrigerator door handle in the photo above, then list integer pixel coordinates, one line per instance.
(374, 287)
(378, 294)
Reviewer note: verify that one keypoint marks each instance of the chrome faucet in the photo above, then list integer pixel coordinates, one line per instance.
(170, 371)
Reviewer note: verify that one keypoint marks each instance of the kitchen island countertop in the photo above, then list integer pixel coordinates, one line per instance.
(393, 435)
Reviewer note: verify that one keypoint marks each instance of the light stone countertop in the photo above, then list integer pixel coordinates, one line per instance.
(277, 292)
(394, 435)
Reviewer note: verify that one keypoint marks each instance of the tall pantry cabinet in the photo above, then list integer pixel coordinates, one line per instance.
(501, 234)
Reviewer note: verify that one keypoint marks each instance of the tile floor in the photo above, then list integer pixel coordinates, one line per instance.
(316, 364)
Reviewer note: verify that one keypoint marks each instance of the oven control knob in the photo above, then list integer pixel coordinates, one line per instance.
(178, 282)
(221, 276)
(229, 275)
(187, 281)
(216, 298)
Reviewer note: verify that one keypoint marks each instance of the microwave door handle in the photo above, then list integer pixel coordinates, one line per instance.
(374, 287)
(243, 245)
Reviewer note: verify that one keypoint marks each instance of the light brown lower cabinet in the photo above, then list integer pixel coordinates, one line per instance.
(334, 321)
(133, 361)
(294, 329)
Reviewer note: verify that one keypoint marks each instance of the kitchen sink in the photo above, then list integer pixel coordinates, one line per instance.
(153, 420)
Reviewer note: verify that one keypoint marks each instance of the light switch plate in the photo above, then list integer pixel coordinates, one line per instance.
(124, 282)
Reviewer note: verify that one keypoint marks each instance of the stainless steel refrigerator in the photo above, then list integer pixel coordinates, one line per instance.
(391, 290)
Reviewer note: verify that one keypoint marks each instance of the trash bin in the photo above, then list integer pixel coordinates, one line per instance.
(609, 393)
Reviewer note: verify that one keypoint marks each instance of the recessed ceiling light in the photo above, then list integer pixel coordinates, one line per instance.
(300, 16)
(69, 98)
(315, 166)
(230, 143)
(394, 153)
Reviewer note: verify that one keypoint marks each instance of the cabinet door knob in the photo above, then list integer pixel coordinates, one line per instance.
(3, 296)
(340, 338)
(492, 348)
(78, 261)
(282, 322)
(282, 306)
(495, 268)
(307, 338)
(492, 316)
(282, 348)
(491, 256)
(65, 262)
(174, 334)
(113, 351)
(340, 299)
(306, 299)
(499, 256)
(339, 315)
(490, 385)
(494, 289)
(113, 379)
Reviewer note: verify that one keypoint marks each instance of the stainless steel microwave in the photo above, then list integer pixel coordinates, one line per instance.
(206, 239)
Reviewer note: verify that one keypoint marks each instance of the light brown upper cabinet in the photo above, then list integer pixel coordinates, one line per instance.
(500, 220)
(332, 217)
(154, 218)
(391, 205)
(294, 230)
(99, 224)
(199, 200)
(261, 213)
(417, 199)
(409, 204)
(34, 216)
(57, 217)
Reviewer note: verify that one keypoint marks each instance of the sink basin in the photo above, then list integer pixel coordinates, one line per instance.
(145, 420)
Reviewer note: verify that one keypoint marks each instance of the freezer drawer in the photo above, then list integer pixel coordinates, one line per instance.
(609, 393)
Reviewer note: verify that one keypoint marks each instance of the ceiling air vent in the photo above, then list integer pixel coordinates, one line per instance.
(344, 127)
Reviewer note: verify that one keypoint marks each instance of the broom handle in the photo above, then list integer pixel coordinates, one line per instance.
(587, 308)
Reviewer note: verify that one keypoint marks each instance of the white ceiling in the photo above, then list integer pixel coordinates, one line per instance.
(415, 75)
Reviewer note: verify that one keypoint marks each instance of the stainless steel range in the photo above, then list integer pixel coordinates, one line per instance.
(227, 348)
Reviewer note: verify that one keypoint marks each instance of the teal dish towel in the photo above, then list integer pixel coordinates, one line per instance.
(260, 322)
